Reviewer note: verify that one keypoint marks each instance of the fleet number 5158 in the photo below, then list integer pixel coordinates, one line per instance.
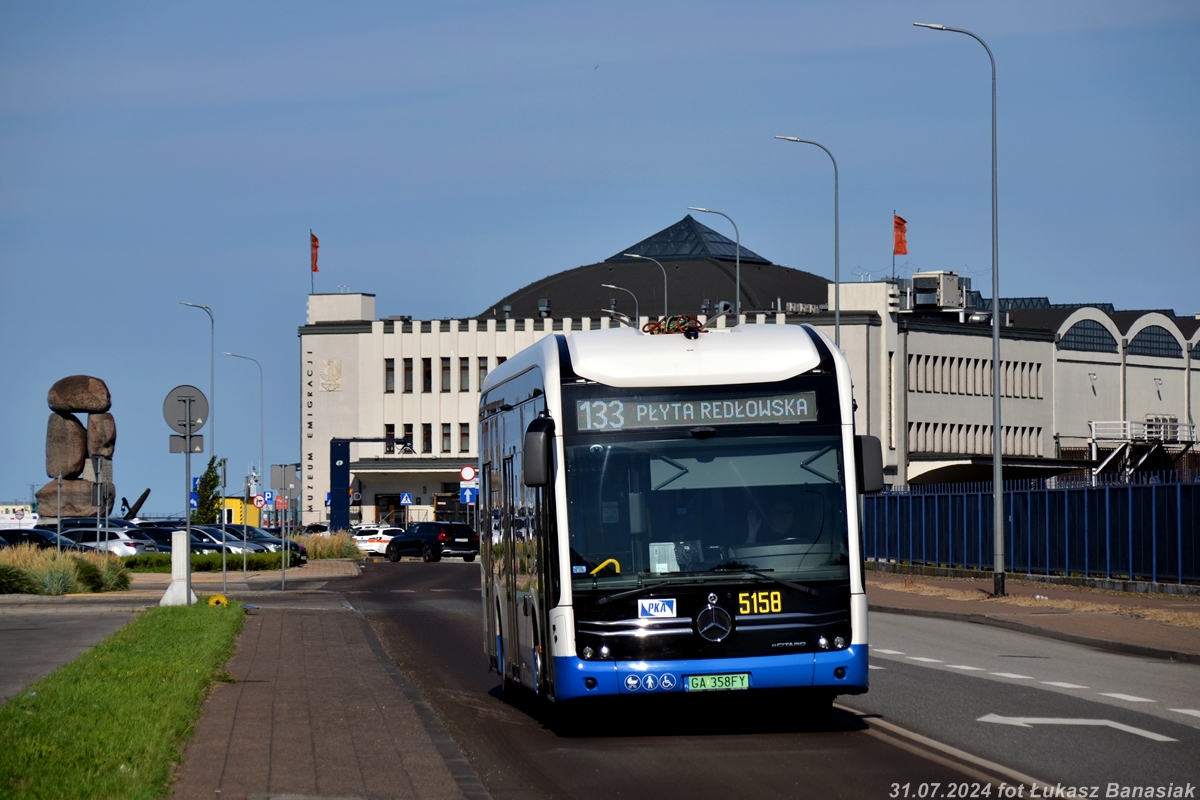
(760, 603)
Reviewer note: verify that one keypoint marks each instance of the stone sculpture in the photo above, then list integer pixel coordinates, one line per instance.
(69, 446)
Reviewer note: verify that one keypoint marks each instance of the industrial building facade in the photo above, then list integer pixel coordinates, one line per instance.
(1083, 387)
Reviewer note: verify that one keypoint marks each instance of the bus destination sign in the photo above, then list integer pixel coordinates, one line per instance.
(674, 412)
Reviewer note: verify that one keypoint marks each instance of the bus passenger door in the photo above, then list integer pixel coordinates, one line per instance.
(510, 621)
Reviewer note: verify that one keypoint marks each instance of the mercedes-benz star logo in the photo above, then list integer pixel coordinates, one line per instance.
(714, 623)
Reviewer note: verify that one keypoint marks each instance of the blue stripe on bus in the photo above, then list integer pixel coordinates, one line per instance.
(766, 672)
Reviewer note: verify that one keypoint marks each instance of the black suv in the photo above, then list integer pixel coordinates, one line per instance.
(434, 540)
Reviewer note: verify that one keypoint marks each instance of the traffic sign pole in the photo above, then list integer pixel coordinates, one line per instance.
(185, 410)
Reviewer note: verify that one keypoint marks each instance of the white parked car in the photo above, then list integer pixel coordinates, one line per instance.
(374, 539)
(118, 541)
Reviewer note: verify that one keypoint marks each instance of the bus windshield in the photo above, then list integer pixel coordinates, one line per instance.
(644, 509)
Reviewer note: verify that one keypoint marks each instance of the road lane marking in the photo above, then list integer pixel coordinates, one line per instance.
(964, 666)
(1062, 685)
(1029, 722)
(1189, 711)
(1012, 675)
(875, 667)
(889, 652)
(925, 660)
(876, 728)
(1128, 697)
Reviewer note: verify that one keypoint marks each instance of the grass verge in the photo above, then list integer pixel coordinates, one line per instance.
(112, 723)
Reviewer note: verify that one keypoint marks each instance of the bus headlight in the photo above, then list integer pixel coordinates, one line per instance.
(587, 652)
(604, 651)
(823, 643)
(839, 642)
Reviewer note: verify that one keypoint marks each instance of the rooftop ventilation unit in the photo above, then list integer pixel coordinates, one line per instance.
(940, 290)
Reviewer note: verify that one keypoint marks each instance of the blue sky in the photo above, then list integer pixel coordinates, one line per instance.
(448, 153)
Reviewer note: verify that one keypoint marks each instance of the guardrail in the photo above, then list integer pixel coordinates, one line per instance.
(1150, 431)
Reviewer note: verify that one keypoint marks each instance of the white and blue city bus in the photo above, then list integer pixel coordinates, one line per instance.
(671, 513)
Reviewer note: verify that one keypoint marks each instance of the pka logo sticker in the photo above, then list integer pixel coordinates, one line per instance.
(649, 608)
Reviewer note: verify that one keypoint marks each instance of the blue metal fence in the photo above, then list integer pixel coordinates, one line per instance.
(1135, 531)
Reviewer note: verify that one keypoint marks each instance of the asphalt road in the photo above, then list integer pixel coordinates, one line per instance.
(939, 678)
(428, 618)
(36, 641)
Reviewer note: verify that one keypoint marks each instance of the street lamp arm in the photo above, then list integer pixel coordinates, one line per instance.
(664, 272)
(837, 266)
(637, 316)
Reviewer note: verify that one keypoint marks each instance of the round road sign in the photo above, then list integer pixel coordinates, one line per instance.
(467, 473)
(176, 403)
(259, 502)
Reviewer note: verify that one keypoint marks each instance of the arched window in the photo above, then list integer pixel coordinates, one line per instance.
(1155, 340)
(1196, 352)
(1089, 336)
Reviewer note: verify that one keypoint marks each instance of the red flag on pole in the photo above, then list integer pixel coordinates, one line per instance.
(316, 244)
(899, 224)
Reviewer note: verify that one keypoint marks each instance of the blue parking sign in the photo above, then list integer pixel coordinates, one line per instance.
(268, 498)
(467, 496)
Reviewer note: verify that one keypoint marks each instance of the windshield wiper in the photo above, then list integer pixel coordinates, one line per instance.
(734, 567)
(612, 598)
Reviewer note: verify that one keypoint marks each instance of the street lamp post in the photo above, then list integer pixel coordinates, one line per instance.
(260, 407)
(997, 433)
(261, 427)
(737, 300)
(837, 274)
(664, 272)
(637, 317)
(212, 411)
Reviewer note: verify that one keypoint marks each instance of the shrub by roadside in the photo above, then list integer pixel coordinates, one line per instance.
(209, 562)
(25, 569)
(112, 723)
(332, 545)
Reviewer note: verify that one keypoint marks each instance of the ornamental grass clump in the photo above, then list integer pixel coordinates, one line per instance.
(331, 545)
(26, 569)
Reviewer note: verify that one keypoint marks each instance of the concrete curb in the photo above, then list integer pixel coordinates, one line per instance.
(1020, 627)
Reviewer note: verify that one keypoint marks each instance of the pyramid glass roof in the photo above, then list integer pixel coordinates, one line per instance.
(686, 240)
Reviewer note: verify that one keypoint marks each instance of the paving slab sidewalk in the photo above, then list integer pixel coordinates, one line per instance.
(1118, 632)
(315, 712)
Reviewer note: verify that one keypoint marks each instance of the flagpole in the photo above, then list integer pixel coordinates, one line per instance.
(312, 282)
(893, 244)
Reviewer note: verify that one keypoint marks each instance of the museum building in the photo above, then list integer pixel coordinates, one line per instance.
(1084, 386)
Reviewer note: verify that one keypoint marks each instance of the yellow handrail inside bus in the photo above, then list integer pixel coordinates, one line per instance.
(605, 563)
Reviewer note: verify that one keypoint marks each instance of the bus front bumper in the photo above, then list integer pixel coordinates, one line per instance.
(840, 671)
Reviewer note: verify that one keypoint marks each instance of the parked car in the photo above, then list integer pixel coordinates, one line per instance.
(233, 539)
(108, 523)
(434, 540)
(117, 541)
(38, 537)
(375, 539)
(273, 543)
(198, 545)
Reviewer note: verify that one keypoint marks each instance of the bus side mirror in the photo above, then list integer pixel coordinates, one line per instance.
(868, 460)
(538, 455)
